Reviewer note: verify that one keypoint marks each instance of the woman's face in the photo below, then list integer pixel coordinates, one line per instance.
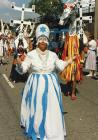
(42, 43)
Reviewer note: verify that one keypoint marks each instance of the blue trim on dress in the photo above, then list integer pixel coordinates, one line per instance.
(31, 132)
(44, 105)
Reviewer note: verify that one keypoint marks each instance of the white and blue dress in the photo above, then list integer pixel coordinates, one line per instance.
(41, 107)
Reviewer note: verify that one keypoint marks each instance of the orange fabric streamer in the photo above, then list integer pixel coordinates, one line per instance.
(71, 49)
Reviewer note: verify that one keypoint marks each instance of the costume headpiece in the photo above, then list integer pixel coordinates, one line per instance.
(42, 31)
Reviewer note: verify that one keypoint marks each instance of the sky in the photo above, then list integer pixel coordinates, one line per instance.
(7, 13)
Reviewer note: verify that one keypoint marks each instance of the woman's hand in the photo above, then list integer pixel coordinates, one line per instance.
(71, 59)
(74, 57)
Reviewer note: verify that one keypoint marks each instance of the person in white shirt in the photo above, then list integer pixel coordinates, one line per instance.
(41, 107)
(91, 57)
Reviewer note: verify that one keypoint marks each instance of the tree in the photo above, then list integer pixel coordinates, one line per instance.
(50, 10)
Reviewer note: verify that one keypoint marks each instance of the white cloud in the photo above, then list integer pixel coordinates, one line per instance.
(5, 17)
(5, 3)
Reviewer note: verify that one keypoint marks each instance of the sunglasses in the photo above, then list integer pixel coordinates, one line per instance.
(42, 39)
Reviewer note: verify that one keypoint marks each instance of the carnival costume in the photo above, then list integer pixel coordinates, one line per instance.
(41, 107)
(71, 48)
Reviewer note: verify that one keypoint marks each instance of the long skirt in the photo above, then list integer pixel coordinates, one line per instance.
(90, 60)
(41, 108)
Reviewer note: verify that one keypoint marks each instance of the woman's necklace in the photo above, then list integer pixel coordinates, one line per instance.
(43, 56)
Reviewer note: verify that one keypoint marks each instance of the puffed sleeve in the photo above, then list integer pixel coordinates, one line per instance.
(24, 66)
(60, 64)
(26, 63)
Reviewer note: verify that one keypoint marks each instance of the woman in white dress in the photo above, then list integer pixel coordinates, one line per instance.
(91, 57)
(41, 107)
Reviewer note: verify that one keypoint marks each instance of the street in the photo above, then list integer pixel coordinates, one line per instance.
(81, 115)
(9, 119)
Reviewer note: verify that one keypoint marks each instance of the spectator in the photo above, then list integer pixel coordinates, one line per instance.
(91, 57)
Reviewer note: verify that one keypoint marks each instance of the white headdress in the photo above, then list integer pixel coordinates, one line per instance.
(42, 30)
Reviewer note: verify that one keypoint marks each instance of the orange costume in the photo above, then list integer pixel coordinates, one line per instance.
(71, 48)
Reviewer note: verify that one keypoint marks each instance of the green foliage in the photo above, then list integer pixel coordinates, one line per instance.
(48, 8)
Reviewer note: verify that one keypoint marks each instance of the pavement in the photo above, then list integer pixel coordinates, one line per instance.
(81, 115)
